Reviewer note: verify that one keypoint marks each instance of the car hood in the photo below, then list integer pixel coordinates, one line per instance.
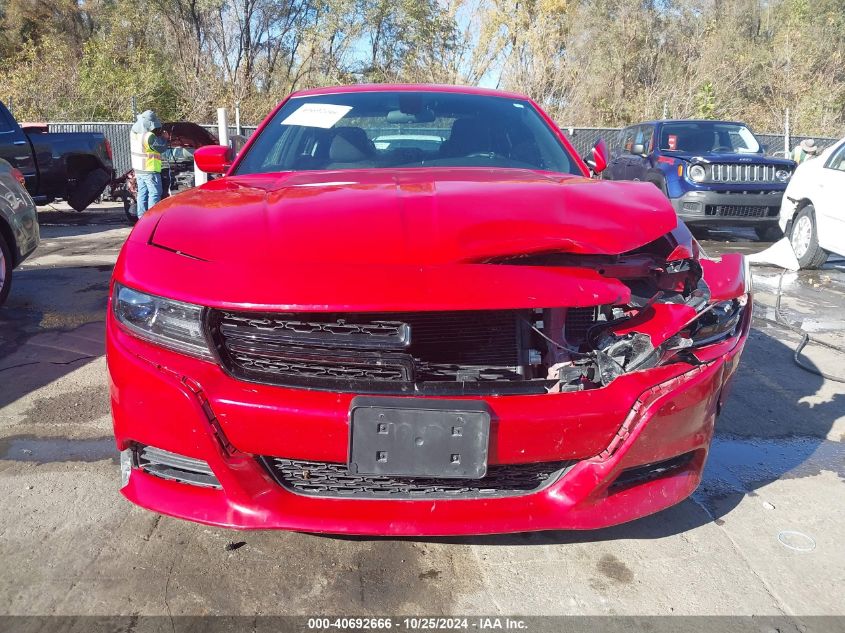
(732, 157)
(187, 134)
(407, 217)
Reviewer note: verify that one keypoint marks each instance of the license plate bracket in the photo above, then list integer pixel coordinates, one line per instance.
(418, 437)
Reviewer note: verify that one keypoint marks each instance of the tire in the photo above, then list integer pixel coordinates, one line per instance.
(768, 232)
(130, 209)
(804, 239)
(660, 185)
(5, 269)
(89, 189)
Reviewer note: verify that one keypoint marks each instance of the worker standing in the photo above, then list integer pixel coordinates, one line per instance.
(805, 150)
(147, 141)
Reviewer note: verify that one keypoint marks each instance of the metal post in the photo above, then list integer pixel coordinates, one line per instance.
(223, 127)
(786, 134)
(238, 118)
(200, 177)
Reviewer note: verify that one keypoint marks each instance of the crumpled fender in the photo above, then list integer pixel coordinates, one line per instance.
(728, 277)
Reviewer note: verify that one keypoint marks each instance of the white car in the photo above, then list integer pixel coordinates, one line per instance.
(812, 213)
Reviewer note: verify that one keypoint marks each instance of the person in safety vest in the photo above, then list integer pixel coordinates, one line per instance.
(805, 150)
(147, 140)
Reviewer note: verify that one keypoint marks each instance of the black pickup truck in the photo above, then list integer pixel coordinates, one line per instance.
(73, 166)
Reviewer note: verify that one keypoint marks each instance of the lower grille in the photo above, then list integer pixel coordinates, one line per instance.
(648, 472)
(324, 479)
(740, 211)
(167, 465)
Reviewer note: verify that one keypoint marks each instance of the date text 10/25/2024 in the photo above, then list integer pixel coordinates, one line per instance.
(417, 624)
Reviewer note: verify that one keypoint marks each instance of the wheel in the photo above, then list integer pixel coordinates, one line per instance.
(804, 240)
(89, 189)
(768, 232)
(130, 209)
(660, 185)
(5, 269)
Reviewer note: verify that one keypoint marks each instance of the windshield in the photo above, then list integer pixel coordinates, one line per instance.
(366, 130)
(704, 137)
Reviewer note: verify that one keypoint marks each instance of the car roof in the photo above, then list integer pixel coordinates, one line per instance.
(470, 90)
(660, 121)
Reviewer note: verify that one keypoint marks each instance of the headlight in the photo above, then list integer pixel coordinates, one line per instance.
(721, 321)
(783, 174)
(697, 173)
(168, 323)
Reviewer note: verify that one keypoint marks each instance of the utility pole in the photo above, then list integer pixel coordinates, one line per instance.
(134, 108)
(665, 109)
(786, 130)
(238, 118)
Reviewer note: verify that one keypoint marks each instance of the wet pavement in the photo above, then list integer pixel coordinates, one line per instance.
(763, 534)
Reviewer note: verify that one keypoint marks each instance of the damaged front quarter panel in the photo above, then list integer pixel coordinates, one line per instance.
(672, 312)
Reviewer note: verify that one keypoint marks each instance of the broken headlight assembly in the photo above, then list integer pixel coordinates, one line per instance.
(171, 324)
(718, 322)
(614, 354)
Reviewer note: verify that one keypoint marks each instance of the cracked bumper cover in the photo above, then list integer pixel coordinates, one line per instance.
(197, 411)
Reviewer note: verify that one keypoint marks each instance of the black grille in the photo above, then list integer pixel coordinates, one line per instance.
(376, 352)
(335, 330)
(176, 467)
(740, 211)
(578, 321)
(318, 363)
(324, 479)
(647, 472)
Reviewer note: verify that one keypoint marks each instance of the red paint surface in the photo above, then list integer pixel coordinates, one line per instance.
(672, 421)
(413, 239)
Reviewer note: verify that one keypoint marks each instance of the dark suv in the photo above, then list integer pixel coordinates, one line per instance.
(713, 172)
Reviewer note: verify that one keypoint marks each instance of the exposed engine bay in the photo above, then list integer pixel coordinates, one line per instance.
(621, 338)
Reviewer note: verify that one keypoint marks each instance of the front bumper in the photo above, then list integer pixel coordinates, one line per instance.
(190, 407)
(728, 207)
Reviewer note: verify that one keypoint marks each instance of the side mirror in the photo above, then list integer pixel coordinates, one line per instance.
(213, 159)
(597, 161)
(638, 149)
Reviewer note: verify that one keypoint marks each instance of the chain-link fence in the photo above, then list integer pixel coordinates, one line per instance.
(118, 136)
(582, 138)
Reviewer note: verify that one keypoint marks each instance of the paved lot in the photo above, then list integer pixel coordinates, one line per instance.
(763, 535)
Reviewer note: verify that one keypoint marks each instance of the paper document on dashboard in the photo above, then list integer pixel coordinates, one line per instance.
(323, 115)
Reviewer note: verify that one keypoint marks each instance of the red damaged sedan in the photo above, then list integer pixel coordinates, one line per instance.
(409, 310)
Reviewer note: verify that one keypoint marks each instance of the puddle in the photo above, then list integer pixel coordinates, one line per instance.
(740, 466)
(46, 450)
(71, 407)
(797, 541)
